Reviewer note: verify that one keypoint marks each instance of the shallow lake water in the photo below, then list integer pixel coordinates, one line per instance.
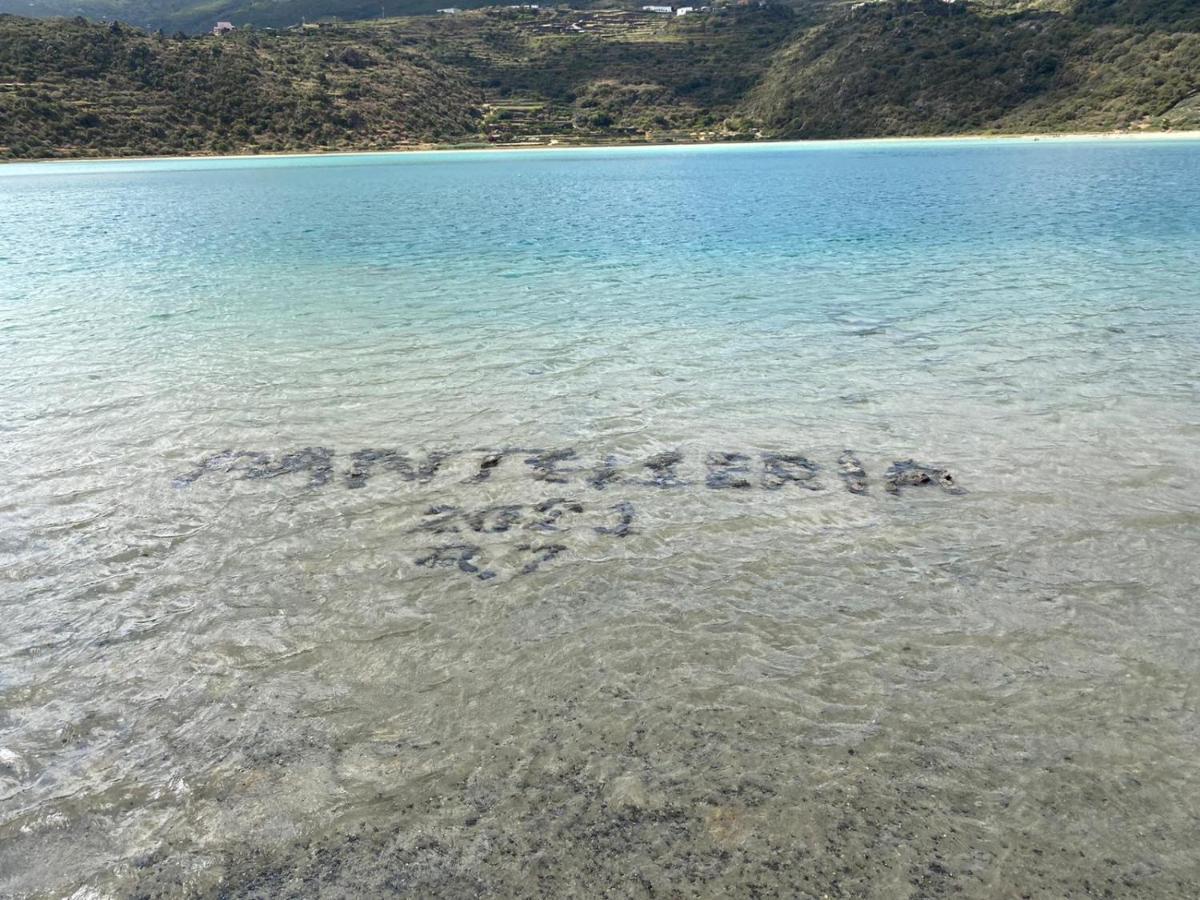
(543, 524)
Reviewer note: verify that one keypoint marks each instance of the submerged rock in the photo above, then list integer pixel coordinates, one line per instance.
(545, 465)
(543, 553)
(445, 520)
(253, 464)
(725, 469)
(910, 473)
(552, 510)
(225, 461)
(625, 513)
(494, 519)
(728, 470)
(789, 468)
(662, 468)
(604, 474)
(486, 465)
(852, 473)
(317, 461)
(364, 461)
(456, 556)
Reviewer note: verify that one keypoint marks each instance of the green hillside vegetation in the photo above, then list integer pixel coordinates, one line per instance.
(198, 16)
(1171, 15)
(610, 73)
(928, 67)
(509, 76)
(70, 88)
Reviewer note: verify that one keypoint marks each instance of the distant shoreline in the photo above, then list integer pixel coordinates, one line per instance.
(1031, 137)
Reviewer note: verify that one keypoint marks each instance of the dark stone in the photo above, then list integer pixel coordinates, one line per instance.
(662, 468)
(604, 475)
(552, 510)
(225, 461)
(489, 462)
(545, 465)
(427, 469)
(728, 470)
(445, 521)
(363, 462)
(544, 553)
(910, 473)
(852, 473)
(317, 461)
(494, 519)
(456, 556)
(624, 511)
(789, 468)
(492, 459)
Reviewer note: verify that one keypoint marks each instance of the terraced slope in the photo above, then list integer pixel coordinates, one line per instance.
(921, 68)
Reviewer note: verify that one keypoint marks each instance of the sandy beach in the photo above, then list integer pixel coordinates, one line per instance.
(1064, 137)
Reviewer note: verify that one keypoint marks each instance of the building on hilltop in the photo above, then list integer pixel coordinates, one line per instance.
(223, 28)
(658, 9)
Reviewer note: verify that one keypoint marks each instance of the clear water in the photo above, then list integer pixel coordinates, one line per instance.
(220, 675)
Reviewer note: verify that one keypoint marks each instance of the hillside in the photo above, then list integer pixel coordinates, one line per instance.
(509, 76)
(198, 16)
(922, 67)
(71, 88)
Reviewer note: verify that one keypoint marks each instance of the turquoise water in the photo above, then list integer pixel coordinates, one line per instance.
(453, 523)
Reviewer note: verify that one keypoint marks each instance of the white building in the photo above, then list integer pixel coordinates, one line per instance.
(223, 28)
(658, 9)
(684, 10)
